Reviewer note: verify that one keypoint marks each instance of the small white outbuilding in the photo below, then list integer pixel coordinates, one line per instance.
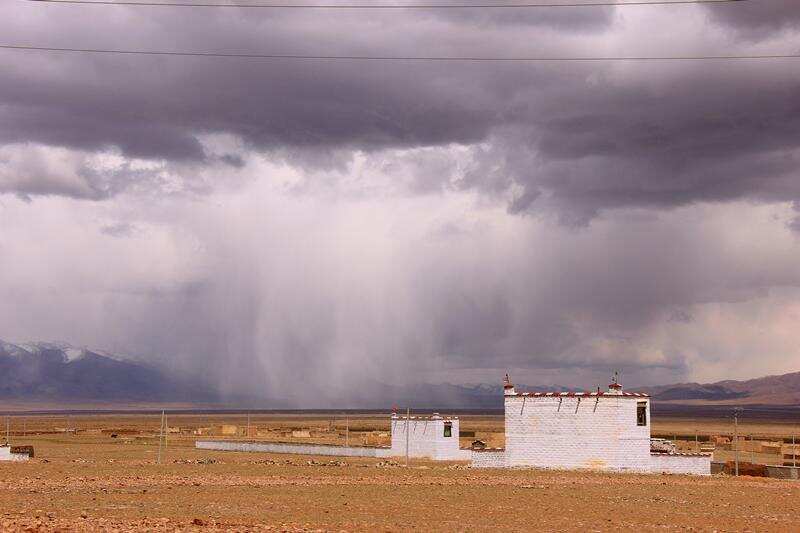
(7, 455)
(433, 437)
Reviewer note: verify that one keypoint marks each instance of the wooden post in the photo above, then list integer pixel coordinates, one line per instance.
(347, 431)
(736, 442)
(160, 436)
(248, 424)
(408, 429)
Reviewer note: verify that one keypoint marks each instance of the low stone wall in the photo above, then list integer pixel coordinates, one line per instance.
(285, 447)
(491, 458)
(462, 454)
(693, 464)
(783, 472)
(7, 455)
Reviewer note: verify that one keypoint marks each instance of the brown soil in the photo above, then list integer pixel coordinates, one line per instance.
(92, 482)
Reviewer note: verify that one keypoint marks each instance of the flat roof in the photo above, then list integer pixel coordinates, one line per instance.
(580, 394)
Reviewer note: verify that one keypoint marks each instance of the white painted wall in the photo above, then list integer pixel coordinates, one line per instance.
(572, 432)
(6, 455)
(488, 458)
(284, 447)
(426, 438)
(693, 464)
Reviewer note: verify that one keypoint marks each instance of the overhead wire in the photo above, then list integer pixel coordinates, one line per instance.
(592, 3)
(322, 57)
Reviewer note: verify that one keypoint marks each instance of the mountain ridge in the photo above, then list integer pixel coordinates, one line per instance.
(57, 371)
(60, 372)
(779, 389)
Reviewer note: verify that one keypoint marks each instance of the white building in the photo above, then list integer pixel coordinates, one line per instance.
(7, 455)
(602, 430)
(432, 437)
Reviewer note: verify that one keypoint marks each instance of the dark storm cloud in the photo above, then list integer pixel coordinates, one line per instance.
(756, 19)
(706, 135)
(588, 19)
(580, 138)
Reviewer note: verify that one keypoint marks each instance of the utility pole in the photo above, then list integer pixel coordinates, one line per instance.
(736, 440)
(8, 431)
(160, 436)
(794, 451)
(408, 429)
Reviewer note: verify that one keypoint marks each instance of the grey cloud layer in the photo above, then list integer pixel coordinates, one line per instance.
(342, 219)
(257, 291)
(579, 137)
(759, 20)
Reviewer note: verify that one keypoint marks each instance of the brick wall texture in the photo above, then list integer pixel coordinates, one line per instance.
(573, 432)
(591, 432)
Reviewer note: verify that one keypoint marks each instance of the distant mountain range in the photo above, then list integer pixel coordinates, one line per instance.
(60, 373)
(57, 373)
(769, 390)
(47, 371)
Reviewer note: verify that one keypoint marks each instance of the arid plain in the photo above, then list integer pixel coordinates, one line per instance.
(102, 472)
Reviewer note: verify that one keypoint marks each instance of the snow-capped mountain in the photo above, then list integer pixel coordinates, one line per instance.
(59, 371)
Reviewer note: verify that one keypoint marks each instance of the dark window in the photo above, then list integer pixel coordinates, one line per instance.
(641, 414)
(448, 429)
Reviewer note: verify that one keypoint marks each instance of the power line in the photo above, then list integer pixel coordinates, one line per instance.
(400, 58)
(594, 3)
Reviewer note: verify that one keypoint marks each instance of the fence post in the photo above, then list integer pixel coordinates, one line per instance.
(408, 429)
(736, 441)
(160, 436)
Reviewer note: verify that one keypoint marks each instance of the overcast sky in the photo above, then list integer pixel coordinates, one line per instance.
(270, 223)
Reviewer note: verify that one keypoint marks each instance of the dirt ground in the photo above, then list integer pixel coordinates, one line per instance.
(89, 481)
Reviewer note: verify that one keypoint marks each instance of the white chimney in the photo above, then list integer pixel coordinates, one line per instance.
(508, 387)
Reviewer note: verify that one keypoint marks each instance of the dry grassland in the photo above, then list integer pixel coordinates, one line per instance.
(89, 481)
